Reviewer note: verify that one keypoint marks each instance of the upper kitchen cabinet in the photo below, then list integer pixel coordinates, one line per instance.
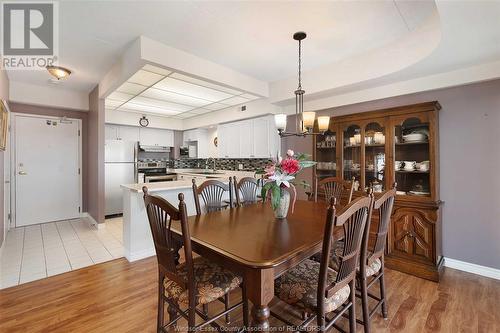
(252, 138)
(156, 137)
(117, 132)
(198, 137)
(247, 141)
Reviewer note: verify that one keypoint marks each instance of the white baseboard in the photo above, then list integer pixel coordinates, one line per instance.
(490, 272)
(134, 256)
(93, 222)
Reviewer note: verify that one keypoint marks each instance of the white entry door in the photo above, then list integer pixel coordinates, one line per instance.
(47, 162)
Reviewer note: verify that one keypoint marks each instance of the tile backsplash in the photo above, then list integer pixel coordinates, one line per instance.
(249, 164)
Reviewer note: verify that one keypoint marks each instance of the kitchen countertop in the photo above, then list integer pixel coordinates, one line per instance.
(222, 175)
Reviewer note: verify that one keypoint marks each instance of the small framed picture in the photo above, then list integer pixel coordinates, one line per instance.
(4, 123)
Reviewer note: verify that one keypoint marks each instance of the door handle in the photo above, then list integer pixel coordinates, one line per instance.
(23, 173)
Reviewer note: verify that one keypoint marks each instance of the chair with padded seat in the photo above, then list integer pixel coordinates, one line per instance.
(212, 192)
(246, 190)
(196, 281)
(313, 287)
(372, 257)
(334, 187)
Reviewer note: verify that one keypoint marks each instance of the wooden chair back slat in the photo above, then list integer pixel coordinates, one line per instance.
(334, 187)
(160, 215)
(245, 190)
(353, 219)
(383, 205)
(212, 192)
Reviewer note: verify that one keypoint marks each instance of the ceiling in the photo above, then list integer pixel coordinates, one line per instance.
(154, 90)
(252, 37)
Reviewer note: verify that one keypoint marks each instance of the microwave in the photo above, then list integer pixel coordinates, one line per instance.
(184, 152)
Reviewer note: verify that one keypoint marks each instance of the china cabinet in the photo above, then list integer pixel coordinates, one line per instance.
(379, 148)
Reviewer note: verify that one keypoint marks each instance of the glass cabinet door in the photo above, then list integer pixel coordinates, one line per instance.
(326, 155)
(375, 156)
(352, 154)
(412, 164)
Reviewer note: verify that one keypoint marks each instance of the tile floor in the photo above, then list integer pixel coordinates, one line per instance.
(38, 251)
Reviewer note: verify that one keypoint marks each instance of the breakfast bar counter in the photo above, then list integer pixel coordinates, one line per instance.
(137, 238)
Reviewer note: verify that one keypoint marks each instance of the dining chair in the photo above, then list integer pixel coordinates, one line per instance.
(371, 265)
(193, 282)
(334, 187)
(245, 190)
(313, 286)
(212, 192)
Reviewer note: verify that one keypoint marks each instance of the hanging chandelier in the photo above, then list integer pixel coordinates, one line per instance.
(304, 121)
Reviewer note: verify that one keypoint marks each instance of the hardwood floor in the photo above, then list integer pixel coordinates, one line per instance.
(118, 296)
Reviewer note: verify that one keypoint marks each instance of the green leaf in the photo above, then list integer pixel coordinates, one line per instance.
(265, 188)
(275, 197)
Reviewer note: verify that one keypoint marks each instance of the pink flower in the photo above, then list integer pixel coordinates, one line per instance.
(270, 169)
(289, 153)
(290, 166)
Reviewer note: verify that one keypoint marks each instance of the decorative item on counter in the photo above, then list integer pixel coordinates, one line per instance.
(278, 180)
(370, 167)
(398, 165)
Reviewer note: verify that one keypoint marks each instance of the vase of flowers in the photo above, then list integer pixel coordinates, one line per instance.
(279, 181)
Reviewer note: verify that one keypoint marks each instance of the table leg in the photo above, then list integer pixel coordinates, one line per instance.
(260, 290)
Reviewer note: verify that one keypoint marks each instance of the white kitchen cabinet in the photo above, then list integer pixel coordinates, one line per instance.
(111, 132)
(200, 136)
(156, 137)
(125, 133)
(222, 140)
(261, 136)
(233, 147)
(253, 138)
(246, 134)
(128, 133)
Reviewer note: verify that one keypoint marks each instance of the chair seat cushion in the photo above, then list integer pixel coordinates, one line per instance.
(211, 280)
(336, 252)
(299, 286)
(373, 268)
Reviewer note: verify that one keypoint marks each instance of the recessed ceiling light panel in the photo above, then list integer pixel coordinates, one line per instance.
(189, 89)
(145, 78)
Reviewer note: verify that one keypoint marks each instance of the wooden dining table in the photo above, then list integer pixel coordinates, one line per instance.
(250, 241)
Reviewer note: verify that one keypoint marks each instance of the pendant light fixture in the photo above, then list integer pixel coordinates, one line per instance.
(304, 121)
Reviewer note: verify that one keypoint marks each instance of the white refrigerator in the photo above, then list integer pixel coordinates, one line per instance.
(120, 167)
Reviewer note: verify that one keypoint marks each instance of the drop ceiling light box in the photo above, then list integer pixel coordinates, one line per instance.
(162, 92)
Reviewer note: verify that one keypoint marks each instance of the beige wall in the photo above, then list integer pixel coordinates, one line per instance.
(4, 94)
(469, 125)
(95, 162)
